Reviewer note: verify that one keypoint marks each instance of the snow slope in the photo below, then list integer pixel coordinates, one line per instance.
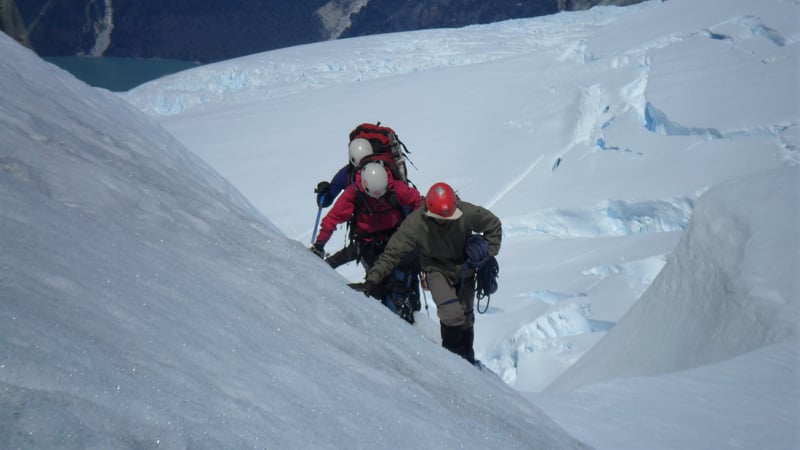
(713, 344)
(147, 304)
(728, 289)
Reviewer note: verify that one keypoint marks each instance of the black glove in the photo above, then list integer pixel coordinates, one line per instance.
(323, 191)
(318, 249)
(368, 288)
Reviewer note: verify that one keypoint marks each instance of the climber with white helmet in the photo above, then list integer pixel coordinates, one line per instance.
(372, 145)
(367, 142)
(327, 191)
(375, 205)
(357, 150)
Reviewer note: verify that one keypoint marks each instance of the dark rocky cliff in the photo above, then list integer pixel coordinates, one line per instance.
(403, 15)
(11, 22)
(211, 30)
(201, 30)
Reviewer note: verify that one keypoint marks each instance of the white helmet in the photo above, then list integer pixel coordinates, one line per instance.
(374, 179)
(358, 149)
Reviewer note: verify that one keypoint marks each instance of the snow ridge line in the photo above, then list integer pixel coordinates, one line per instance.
(608, 218)
(284, 72)
(513, 183)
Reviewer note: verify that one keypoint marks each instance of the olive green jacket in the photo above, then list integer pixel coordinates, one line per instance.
(441, 247)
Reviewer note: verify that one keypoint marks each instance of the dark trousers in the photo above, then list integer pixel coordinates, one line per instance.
(401, 285)
(343, 256)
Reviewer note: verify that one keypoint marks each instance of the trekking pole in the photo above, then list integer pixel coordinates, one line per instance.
(316, 225)
(323, 187)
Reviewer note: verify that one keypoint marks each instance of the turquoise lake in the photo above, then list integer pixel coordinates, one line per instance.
(118, 74)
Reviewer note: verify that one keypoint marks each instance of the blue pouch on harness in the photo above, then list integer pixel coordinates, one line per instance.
(486, 267)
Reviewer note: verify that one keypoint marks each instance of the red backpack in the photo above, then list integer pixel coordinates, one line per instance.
(386, 147)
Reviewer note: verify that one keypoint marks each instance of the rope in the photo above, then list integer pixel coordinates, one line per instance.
(486, 278)
(486, 269)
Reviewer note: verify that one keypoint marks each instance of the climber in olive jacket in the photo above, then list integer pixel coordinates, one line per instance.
(439, 230)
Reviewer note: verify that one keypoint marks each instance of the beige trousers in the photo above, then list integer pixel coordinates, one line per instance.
(454, 309)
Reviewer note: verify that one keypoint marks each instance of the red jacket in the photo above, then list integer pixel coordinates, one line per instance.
(375, 218)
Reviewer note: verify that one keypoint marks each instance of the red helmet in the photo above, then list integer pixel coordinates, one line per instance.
(440, 202)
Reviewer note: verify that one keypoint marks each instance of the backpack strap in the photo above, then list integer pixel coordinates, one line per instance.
(361, 203)
(396, 203)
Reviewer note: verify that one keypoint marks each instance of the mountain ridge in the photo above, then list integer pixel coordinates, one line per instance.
(208, 31)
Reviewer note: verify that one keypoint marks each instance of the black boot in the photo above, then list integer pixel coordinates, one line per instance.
(453, 339)
(467, 341)
(403, 308)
